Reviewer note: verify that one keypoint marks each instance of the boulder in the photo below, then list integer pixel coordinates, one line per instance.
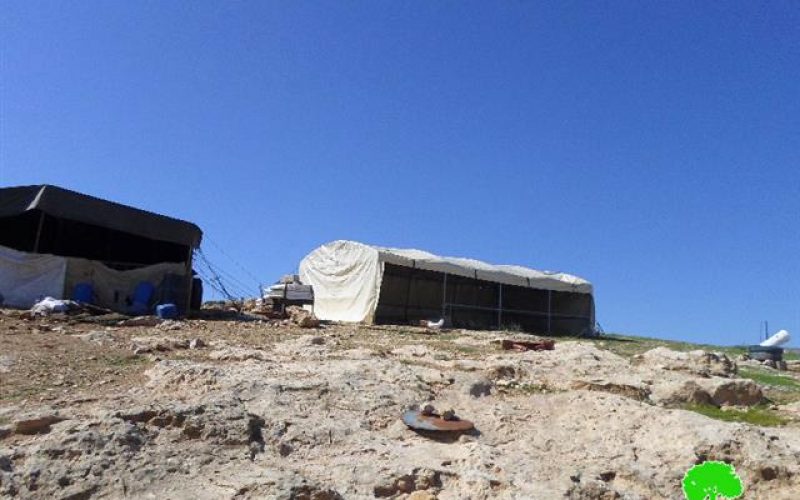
(703, 363)
(301, 317)
(676, 393)
(736, 392)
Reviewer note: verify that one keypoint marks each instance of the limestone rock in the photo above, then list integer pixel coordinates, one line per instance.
(37, 424)
(703, 363)
(302, 317)
(675, 393)
(735, 392)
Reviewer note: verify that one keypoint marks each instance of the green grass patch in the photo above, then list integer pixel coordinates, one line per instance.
(765, 378)
(628, 345)
(124, 361)
(791, 355)
(756, 415)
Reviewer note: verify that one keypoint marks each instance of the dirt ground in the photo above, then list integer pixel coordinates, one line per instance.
(248, 408)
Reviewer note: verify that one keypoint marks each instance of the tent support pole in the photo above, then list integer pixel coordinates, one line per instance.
(500, 306)
(549, 310)
(38, 233)
(444, 296)
(408, 295)
(189, 281)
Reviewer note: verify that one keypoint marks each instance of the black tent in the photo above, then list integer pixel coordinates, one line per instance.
(54, 220)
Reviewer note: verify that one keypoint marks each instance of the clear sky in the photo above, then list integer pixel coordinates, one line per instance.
(651, 147)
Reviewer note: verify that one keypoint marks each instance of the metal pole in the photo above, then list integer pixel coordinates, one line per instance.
(500, 306)
(549, 310)
(408, 296)
(444, 296)
(38, 233)
(189, 281)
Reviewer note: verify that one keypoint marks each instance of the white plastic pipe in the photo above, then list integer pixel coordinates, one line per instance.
(776, 340)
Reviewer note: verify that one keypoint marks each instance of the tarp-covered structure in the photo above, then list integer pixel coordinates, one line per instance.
(52, 239)
(354, 282)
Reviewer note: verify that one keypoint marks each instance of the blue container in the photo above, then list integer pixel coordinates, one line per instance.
(83, 292)
(143, 293)
(142, 298)
(167, 311)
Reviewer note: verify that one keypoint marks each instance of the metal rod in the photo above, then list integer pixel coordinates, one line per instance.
(549, 311)
(514, 311)
(38, 233)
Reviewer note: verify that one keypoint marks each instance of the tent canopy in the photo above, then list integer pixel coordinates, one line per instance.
(471, 268)
(65, 204)
(352, 281)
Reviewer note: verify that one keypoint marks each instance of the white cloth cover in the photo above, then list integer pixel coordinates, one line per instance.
(347, 275)
(27, 277)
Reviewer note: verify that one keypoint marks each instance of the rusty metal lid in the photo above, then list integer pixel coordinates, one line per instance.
(416, 420)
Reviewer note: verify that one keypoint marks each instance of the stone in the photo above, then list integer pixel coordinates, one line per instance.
(736, 392)
(421, 495)
(196, 344)
(479, 387)
(676, 393)
(36, 424)
(703, 363)
(98, 336)
(302, 317)
(170, 325)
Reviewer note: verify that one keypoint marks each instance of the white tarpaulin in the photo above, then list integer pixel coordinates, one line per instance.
(27, 277)
(347, 276)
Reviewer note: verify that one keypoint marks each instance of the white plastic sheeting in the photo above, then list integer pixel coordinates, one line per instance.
(347, 276)
(26, 277)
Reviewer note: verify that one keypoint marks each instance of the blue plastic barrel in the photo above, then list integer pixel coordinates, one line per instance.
(83, 292)
(142, 297)
(167, 311)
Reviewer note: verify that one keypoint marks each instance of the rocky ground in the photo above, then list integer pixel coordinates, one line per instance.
(255, 409)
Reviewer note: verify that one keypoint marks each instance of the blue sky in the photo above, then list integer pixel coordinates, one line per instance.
(652, 148)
